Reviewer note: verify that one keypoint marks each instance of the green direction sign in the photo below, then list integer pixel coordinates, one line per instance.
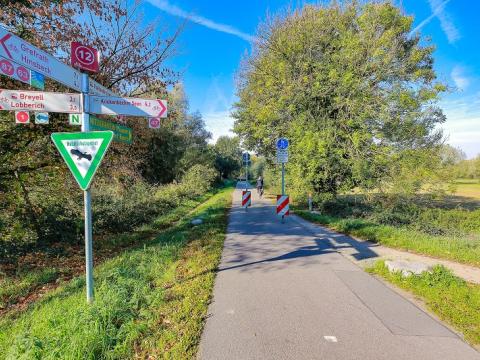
(83, 153)
(120, 133)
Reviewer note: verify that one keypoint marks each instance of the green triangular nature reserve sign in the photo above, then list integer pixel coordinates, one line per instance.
(83, 153)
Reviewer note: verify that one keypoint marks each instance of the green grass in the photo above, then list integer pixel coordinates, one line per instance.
(25, 281)
(463, 249)
(11, 289)
(469, 188)
(451, 298)
(149, 301)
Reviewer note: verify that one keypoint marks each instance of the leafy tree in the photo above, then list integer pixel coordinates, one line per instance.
(39, 200)
(228, 156)
(348, 85)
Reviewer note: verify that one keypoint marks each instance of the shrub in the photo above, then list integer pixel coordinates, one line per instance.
(199, 178)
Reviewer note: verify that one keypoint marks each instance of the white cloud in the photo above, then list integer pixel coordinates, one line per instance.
(463, 123)
(459, 78)
(445, 21)
(438, 11)
(219, 123)
(164, 5)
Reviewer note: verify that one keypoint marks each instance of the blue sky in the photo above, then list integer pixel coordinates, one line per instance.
(217, 33)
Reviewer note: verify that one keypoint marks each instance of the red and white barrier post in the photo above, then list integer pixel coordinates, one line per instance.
(246, 199)
(283, 205)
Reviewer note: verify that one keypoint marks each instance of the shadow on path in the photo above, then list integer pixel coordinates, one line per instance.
(323, 246)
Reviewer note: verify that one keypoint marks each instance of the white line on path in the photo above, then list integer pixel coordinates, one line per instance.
(331, 338)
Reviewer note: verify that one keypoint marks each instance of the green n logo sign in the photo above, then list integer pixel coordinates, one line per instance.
(74, 119)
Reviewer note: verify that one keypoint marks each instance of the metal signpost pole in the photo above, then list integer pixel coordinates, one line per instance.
(283, 186)
(87, 198)
(246, 175)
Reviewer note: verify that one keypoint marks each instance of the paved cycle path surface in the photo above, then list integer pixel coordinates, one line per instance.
(284, 292)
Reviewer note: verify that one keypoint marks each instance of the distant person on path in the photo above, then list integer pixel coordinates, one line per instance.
(260, 186)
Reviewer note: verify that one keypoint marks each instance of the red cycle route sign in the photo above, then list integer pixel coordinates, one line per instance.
(84, 57)
(22, 117)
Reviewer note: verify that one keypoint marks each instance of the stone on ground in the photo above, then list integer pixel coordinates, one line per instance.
(407, 268)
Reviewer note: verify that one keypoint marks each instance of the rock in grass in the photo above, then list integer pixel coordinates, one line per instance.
(196, 221)
(407, 268)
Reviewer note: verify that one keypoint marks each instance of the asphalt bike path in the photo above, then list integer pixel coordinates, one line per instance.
(283, 291)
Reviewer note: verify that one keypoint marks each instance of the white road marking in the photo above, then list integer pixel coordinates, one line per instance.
(331, 338)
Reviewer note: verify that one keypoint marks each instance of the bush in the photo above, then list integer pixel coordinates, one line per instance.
(115, 209)
(199, 178)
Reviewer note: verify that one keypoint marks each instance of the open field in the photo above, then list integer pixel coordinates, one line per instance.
(468, 188)
(150, 300)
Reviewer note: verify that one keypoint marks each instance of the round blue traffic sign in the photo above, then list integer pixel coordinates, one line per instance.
(282, 143)
(246, 157)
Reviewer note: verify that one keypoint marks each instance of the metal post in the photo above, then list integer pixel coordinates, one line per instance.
(283, 186)
(87, 199)
(310, 202)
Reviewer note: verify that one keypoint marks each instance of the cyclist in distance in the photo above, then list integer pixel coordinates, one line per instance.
(260, 186)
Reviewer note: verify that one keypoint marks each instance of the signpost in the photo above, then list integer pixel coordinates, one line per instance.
(96, 89)
(37, 80)
(121, 133)
(83, 153)
(75, 119)
(22, 117)
(282, 158)
(23, 53)
(17, 72)
(154, 123)
(246, 162)
(113, 105)
(41, 118)
(84, 57)
(39, 101)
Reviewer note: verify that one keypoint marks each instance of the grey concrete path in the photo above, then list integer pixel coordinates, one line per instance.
(283, 291)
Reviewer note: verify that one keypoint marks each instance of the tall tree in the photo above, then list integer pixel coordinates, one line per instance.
(34, 186)
(228, 156)
(348, 84)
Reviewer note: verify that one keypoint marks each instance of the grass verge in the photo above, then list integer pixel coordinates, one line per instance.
(461, 249)
(451, 298)
(150, 302)
(43, 268)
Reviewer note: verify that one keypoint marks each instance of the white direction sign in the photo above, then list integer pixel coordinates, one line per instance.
(95, 88)
(19, 100)
(15, 49)
(282, 156)
(112, 105)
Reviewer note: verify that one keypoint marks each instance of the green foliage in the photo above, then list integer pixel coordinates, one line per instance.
(228, 156)
(448, 296)
(148, 301)
(351, 89)
(115, 209)
(11, 290)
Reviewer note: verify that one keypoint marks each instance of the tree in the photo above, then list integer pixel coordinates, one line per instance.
(38, 198)
(228, 156)
(347, 84)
